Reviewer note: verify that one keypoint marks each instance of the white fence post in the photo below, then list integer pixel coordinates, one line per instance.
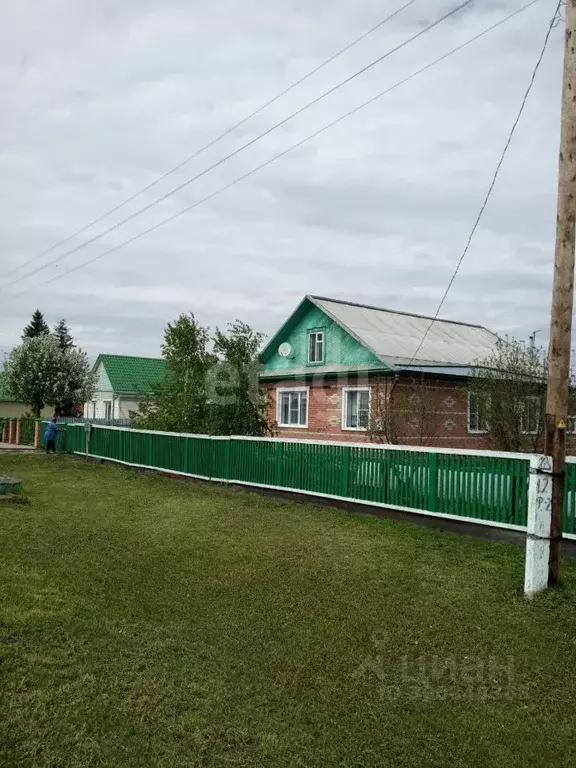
(538, 528)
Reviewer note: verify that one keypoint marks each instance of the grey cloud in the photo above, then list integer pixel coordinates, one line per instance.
(98, 100)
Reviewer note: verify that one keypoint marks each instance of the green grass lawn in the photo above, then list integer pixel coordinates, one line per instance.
(151, 622)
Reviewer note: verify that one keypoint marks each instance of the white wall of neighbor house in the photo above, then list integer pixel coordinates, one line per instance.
(101, 404)
(107, 405)
(125, 405)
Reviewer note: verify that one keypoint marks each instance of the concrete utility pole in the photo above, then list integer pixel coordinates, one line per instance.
(562, 294)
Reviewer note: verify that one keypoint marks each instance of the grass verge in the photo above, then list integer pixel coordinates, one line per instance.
(150, 622)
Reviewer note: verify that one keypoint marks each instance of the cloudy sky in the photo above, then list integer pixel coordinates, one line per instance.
(99, 99)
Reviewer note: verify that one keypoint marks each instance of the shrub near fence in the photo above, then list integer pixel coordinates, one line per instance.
(478, 486)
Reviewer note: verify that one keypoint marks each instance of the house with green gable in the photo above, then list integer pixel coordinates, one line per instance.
(325, 364)
(121, 383)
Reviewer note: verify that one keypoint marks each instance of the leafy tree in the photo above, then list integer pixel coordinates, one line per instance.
(36, 327)
(40, 373)
(509, 387)
(208, 392)
(404, 411)
(179, 403)
(75, 384)
(62, 333)
(237, 405)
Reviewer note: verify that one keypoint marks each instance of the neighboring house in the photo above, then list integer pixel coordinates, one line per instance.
(10, 407)
(121, 383)
(332, 361)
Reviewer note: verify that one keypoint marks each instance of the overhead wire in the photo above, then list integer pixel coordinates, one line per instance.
(237, 151)
(284, 152)
(218, 138)
(492, 183)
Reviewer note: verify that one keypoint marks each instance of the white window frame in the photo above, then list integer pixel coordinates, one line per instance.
(317, 332)
(538, 402)
(283, 390)
(108, 404)
(473, 431)
(345, 391)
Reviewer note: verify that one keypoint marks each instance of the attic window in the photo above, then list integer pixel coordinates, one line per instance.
(316, 347)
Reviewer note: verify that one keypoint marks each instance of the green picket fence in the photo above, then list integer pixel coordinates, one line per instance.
(62, 439)
(28, 428)
(484, 487)
(570, 497)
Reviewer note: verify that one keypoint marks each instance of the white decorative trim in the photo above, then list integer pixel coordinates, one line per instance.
(472, 431)
(279, 392)
(538, 401)
(317, 332)
(344, 407)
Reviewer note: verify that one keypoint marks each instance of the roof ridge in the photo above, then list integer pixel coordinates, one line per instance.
(131, 357)
(399, 312)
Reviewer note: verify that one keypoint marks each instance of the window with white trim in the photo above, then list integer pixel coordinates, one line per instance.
(355, 408)
(316, 347)
(477, 420)
(530, 415)
(292, 406)
(107, 409)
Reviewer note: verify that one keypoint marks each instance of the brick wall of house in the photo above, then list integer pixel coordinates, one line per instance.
(447, 399)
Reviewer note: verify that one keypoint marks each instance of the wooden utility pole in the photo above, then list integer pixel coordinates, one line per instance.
(558, 390)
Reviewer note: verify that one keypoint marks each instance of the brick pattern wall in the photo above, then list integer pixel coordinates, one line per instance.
(447, 399)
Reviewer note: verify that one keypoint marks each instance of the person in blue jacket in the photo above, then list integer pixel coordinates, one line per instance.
(50, 436)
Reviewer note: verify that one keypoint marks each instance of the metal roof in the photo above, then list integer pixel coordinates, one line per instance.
(395, 336)
(138, 375)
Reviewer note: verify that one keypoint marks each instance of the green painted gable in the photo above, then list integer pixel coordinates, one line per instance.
(136, 375)
(341, 349)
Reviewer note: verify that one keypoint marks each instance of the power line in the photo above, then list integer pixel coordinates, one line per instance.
(492, 183)
(214, 141)
(241, 148)
(284, 152)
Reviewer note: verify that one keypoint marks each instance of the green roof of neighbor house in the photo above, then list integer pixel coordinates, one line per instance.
(136, 375)
(5, 395)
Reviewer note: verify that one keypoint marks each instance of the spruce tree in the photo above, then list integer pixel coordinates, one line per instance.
(36, 327)
(63, 335)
